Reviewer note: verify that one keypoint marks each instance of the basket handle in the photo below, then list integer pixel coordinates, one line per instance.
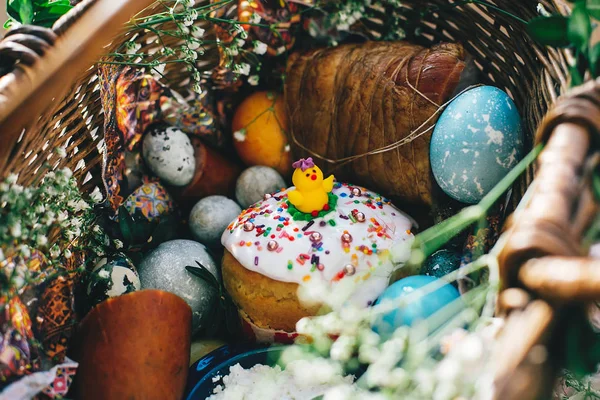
(64, 22)
(544, 252)
(562, 205)
(27, 43)
(29, 90)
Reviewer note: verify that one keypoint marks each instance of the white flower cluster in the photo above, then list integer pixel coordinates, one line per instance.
(343, 15)
(422, 361)
(34, 218)
(400, 367)
(348, 14)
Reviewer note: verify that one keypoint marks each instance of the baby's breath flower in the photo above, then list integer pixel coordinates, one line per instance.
(25, 251)
(254, 18)
(76, 231)
(197, 87)
(184, 29)
(240, 135)
(190, 17)
(78, 205)
(118, 244)
(240, 42)
(54, 251)
(61, 151)
(16, 189)
(62, 216)
(76, 222)
(42, 240)
(16, 230)
(197, 32)
(232, 51)
(188, 54)
(188, 3)
(253, 80)
(259, 47)
(237, 28)
(11, 179)
(542, 10)
(66, 172)
(96, 195)
(242, 69)
(167, 51)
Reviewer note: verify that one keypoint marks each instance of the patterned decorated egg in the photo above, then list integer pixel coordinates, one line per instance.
(56, 316)
(151, 200)
(112, 277)
(441, 263)
(476, 141)
(417, 306)
(17, 355)
(169, 153)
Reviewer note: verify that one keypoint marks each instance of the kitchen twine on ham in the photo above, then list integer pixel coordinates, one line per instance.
(414, 134)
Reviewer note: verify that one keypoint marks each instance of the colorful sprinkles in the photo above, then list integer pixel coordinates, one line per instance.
(273, 226)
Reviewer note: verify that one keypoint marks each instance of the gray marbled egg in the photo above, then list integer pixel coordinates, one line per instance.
(254, 182)
(164, 268)
(210, 216)
(169, 153)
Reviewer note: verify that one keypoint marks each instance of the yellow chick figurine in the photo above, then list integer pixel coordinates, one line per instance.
(310, 195)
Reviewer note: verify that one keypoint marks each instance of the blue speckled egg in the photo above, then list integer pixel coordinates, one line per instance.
(418, 308)
(476, 141)
(441, 263)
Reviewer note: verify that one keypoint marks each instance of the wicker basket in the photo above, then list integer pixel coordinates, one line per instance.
(68, 113)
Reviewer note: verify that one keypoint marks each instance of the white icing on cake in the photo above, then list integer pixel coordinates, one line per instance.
(299, 259)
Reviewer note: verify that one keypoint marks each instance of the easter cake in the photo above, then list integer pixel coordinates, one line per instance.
(318, 231)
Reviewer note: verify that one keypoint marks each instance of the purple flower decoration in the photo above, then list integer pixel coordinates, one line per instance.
(304, 164)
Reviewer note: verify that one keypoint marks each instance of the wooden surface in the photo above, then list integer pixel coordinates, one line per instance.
(29, 91)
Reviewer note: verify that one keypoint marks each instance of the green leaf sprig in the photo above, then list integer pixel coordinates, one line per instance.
(574, 32)
(226, 310)
(35, 12)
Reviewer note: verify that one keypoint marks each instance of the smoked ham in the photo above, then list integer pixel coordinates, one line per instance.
(357, 98)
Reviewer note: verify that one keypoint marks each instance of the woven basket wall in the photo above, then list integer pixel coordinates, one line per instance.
(532, 74)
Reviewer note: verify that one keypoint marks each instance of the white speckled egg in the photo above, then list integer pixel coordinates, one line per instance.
(169, 153)
(476, 142)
